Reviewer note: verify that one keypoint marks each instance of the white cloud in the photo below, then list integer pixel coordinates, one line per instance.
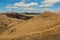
(48, 3)
(30, 10)
(22, 4)
(33, 4)
(11, 7)
(27, 7)
(45, 6)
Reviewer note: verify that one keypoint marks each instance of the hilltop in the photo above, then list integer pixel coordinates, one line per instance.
(45, 26)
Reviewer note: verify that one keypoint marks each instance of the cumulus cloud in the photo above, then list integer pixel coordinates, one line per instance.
(45, 6)
(22, 4)
(25, 7)
(48, 3)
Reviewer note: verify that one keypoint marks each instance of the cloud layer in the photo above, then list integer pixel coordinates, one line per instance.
(48, 3)
(22, 4)
(33, 6)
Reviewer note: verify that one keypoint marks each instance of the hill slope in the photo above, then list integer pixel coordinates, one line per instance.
(45, 26)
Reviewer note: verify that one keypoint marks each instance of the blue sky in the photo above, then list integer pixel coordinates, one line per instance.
(29, 5)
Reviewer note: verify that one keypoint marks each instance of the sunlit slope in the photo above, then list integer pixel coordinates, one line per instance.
(39, 23)
(49, 34)
(45, 26)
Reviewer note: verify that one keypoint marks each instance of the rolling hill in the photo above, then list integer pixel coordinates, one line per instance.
(15, 26)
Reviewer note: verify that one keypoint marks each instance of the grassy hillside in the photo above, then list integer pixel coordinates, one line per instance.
(45, 26)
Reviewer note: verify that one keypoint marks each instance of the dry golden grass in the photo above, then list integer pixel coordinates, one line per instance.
(44, 26)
